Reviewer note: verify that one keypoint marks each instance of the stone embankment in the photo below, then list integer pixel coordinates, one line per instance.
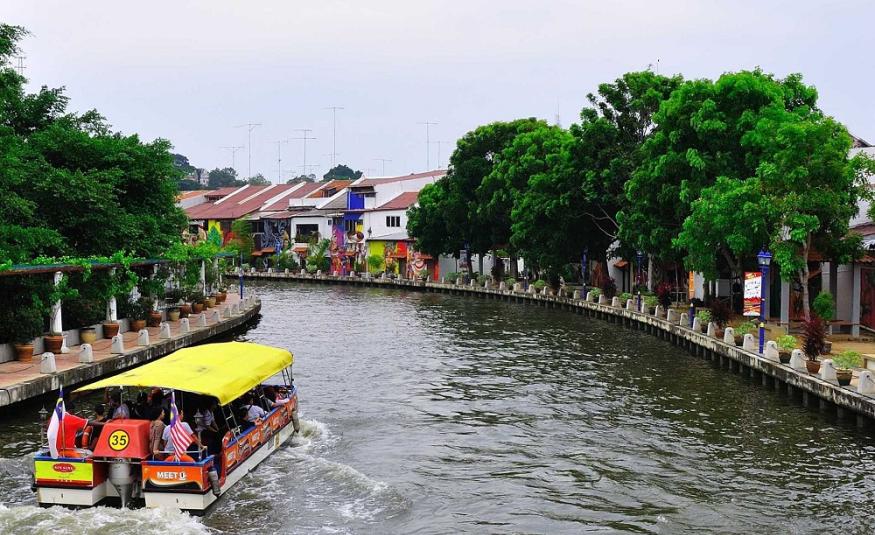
(20, 381)
(814, 390)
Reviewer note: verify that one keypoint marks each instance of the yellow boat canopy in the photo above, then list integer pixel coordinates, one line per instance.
(226, 371)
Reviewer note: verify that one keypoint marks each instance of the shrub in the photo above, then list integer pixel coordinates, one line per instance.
(286, 261)
(704, 316)
(539, 284)
(609, 288)
(720, 313)
(481, 279)
(815, 338)
(509, 281)
(786, 342)
(625, 296)
(823, 306)
(174, 295)
(134, 309)
(748, 327)
(651, 301)
(375, 263)
(194, 296)
(847, 360)
(596, 292)
(663, 293)
(424, 275)
(452, 277)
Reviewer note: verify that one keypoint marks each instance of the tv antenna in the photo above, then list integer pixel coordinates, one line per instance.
(305, 138)
(250, 127)
(334, 132)
(233, 154)
(279, 159)
(383, 161)
(428, 125)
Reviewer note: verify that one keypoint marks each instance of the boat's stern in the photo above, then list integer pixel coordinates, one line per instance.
(71, 481)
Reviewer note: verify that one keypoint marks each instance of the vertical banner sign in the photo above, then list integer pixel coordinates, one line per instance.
(691, 285)
(753, 282)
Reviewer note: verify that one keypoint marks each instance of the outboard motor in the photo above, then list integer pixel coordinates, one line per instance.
(123, 444)
(122, 479)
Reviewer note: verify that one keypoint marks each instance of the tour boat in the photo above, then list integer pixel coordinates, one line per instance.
(119, 467)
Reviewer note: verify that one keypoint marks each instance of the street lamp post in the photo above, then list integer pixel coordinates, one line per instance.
(583, 270)
(240, 276)
(764, 258)
(640, 254)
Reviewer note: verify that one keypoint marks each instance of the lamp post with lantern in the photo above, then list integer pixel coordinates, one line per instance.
(640, 254)
(764, 258)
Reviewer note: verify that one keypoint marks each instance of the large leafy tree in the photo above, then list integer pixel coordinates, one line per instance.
(222, 178)
(70, 186)
(341, 172)
(700, 135)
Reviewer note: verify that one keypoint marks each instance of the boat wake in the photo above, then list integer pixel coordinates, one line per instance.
(36, 520)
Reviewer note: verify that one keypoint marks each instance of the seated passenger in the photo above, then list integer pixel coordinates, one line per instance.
(205, 425)
(119, 409)
(156, 430)
(254, 413)
(168, 441)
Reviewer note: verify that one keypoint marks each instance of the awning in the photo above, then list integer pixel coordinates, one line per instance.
(621, 264)
(267, 250)
(300, 249)
(225, 371)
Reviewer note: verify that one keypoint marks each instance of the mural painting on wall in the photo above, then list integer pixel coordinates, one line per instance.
(193, 238)
(416, 265)
(336, 250)
(214, 233)
(276, 235)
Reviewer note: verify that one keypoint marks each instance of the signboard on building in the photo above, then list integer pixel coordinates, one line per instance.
(753, 291)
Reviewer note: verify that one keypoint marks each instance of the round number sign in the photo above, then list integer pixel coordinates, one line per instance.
(119, 440)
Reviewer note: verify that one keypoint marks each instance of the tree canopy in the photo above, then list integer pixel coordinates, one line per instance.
(69, 185)
(341, 172)
(223, 178)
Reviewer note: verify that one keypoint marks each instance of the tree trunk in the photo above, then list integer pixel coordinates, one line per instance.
(804, 273)
(514, 267)
(480, 264)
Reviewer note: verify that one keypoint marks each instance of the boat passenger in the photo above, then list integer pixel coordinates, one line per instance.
(254, 413)
(286, 396)
(168, 442)
(118, 408)
(205, 425)
(156, 430)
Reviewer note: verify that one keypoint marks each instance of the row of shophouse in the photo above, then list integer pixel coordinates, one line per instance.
(361, 218)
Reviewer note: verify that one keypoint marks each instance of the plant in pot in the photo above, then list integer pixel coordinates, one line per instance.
(221, 294)
(705, 318)
(609, 288)
(135, 310)
(786, 345)
(541, 284)
(823, 308)
(720, 315)
(747, 327)
(625, 296)
(845, 362)
(663, 293)
(20, 326)
(814, 333)
(197, 299)
(424, 275)
(154, 317)
(650, 303)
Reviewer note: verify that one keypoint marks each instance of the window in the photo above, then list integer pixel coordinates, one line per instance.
(349, 225)
(393, 220)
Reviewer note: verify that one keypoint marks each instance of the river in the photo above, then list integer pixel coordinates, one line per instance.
(427, 413)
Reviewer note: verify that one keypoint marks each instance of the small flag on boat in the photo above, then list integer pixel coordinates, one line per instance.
(56, 424)
(178, 435)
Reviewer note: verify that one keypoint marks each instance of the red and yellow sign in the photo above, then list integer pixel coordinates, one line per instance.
(174, 476)
(753, 287)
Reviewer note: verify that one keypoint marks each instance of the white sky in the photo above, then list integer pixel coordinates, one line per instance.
(189, 71)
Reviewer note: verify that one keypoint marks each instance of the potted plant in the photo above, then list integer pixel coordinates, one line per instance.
(424, 275)
(747, 327)
(197, 301)
(609, 288)
(845, 362)
(663, 293)
(210, 301)
(173, 314)
(509, 282)
(823, 308)
(650, 303)
(625, 296)
(720, 314)
(786, 345)
(541, 284)
(135, 310)
(813, 345)
(174, 295)
(53, 342)
(704, 319)
(222, 294)
(154, 316)
(24, 324)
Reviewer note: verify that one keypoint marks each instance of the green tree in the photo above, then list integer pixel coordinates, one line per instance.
(427, 221)
(181, 162)
(302, 178)
(242, 240)
(223, 178)
(258, 180)
(341, 172)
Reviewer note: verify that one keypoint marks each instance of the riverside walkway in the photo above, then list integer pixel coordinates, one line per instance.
(20, 380)
(812, 390)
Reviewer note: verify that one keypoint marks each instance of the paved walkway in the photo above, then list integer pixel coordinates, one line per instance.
(15, 374)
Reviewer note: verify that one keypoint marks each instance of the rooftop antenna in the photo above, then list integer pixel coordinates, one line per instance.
(439, 144)
(233, 154)
(334, 132)
(251, 127)
(657, 65)
(383, 161)
(428, 125)
(306, 137)
(310, 166)
(20, 66)
(558, 118)
(279, 159)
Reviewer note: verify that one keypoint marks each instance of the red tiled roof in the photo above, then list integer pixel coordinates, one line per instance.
(412, 176)
(283, 202)
(221, 192)
(336, 185)
(191, 193)
(239, 204)
(401, 202)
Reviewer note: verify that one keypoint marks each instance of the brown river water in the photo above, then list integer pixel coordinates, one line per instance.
(427, 413)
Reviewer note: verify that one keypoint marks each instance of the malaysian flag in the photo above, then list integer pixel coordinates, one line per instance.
(56, 424)
(178, 435)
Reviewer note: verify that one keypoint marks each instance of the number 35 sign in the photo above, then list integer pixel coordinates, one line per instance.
(119, 440)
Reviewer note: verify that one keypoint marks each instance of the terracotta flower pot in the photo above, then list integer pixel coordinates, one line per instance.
(784, 355)
(154, 318)
(173, 314)
(221, 296)
(844, 377)
(197, 308)
(739, 340)
(813, 366)
(718, 333)
(210, 302)
(184, 310)
(53, 343)
(136, 325)
(110, 329)
(87, 335)
(23, 352)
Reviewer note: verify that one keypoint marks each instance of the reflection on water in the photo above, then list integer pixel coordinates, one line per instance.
(443, 414)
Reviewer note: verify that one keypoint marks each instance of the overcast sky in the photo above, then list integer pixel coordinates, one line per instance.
(190, 71)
